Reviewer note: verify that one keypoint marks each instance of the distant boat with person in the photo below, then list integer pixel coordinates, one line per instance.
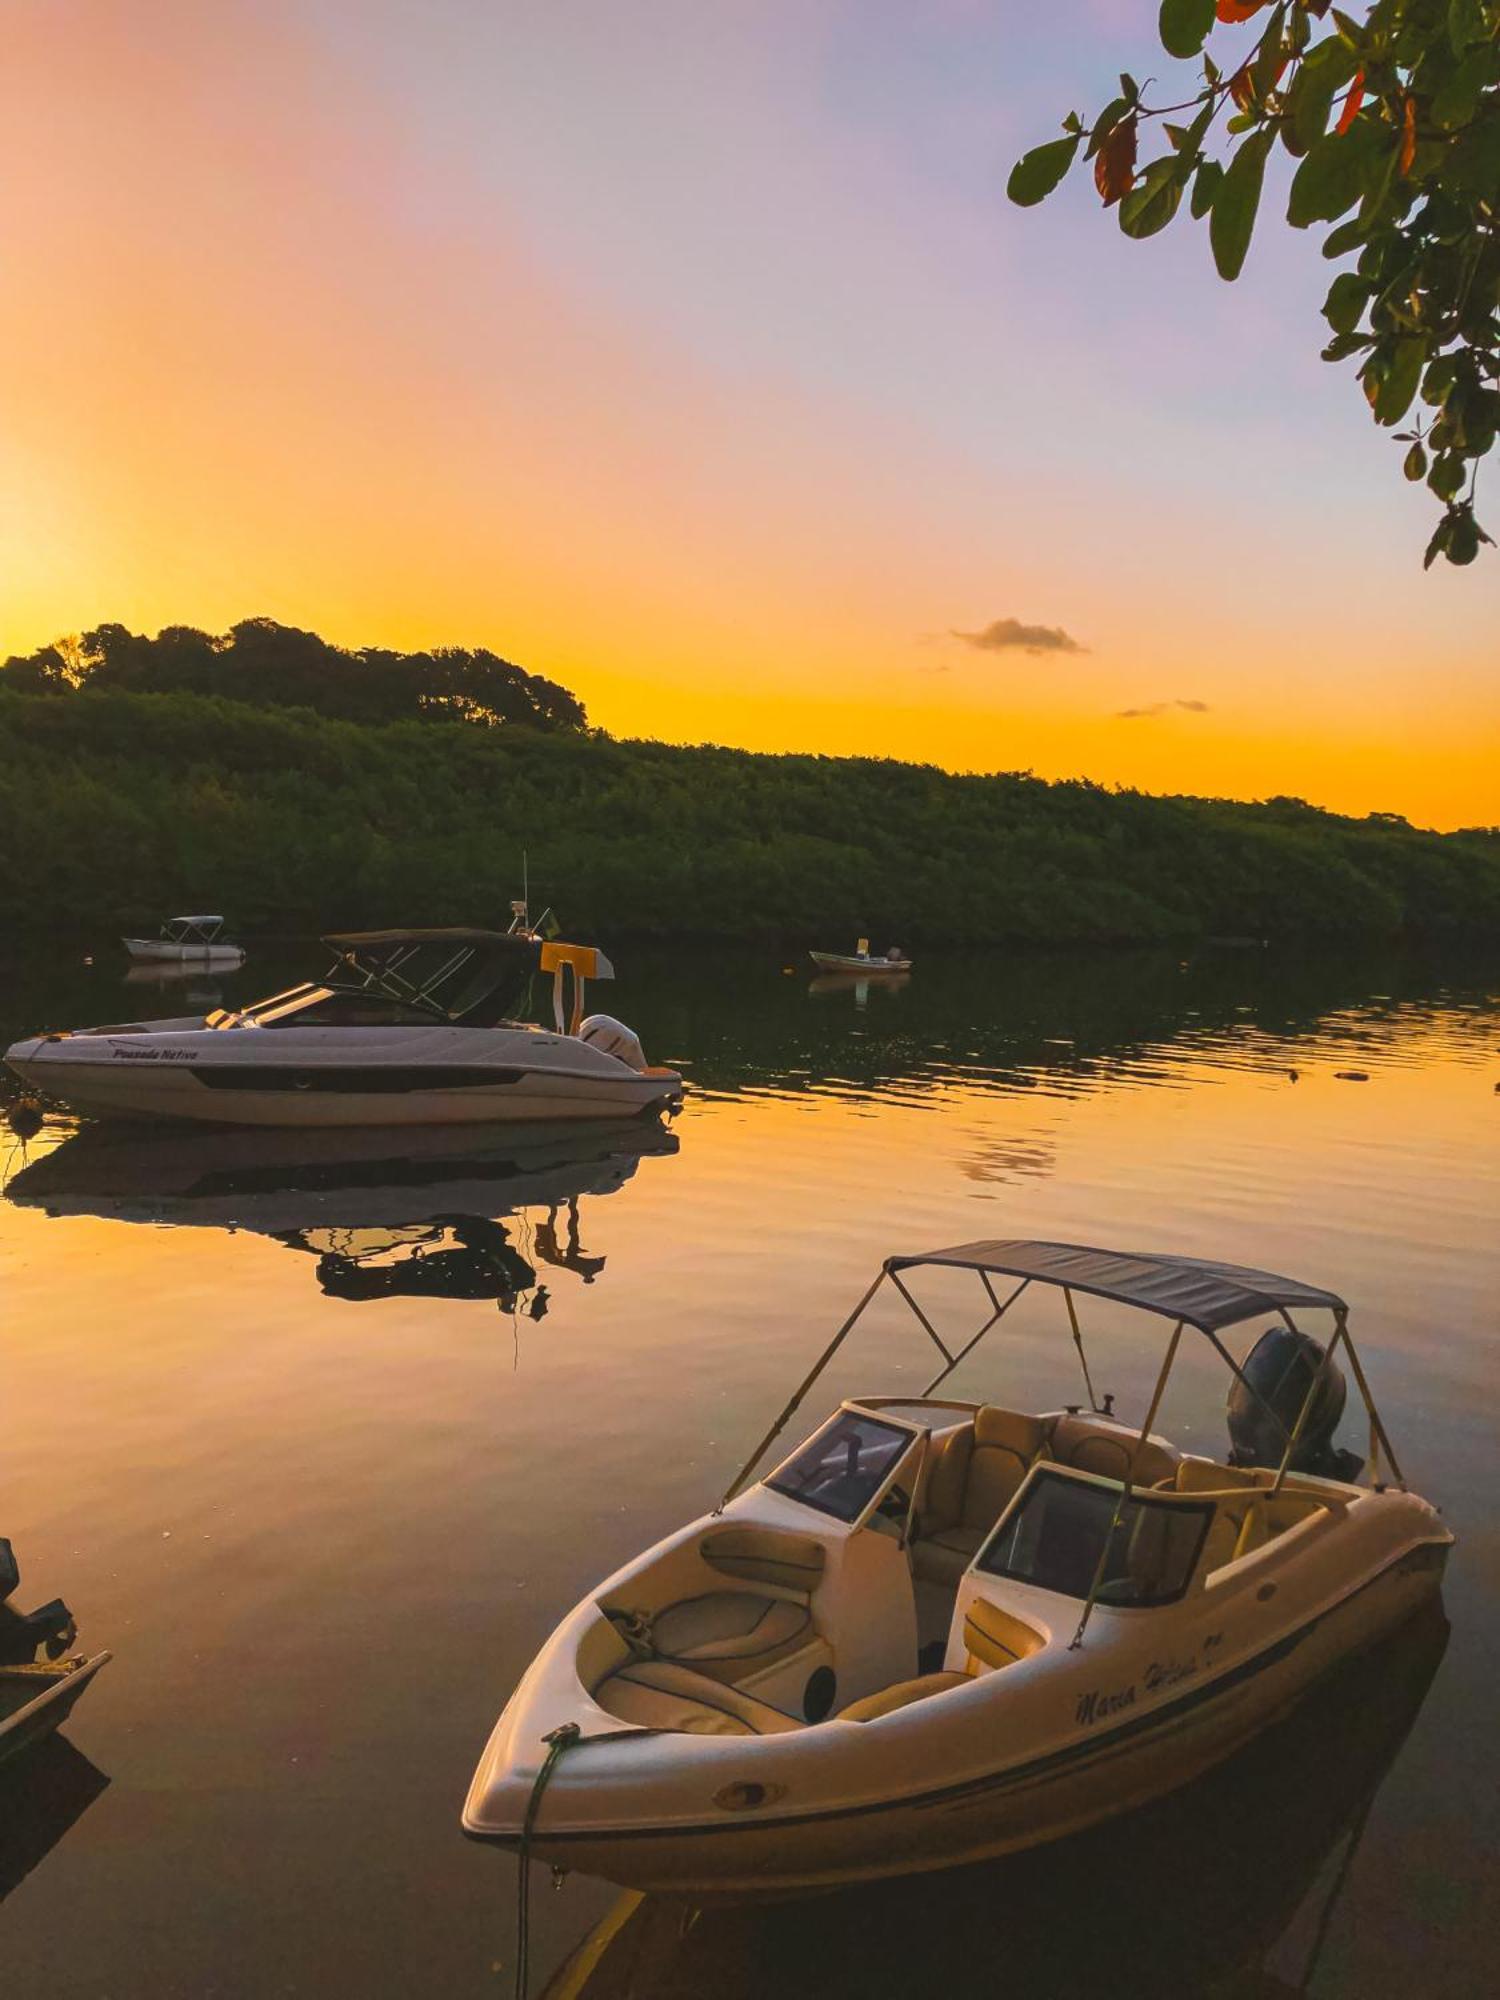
(861, 960)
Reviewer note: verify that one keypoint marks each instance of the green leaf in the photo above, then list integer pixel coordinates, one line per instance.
(1463, 538)
(1344, 307)
(1344, 344)
(1399, 386)
(1348, 236)
(1206, 184)
(1414, 465)
(1467, 24)
(1038, 172)
(1184, 25)
(1458, 97)
(1232, 221)
(1268, 57)
(1440, 378)
(1439, 543)
(1349, 31)
(1334, 175)
(1105, 123)
(1324, 72)
(1449, 471)
(1153, 201)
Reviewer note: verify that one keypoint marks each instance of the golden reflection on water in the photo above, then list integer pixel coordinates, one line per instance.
(324, 1533)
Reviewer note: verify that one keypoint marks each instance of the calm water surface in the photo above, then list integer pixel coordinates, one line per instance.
(321, 1437)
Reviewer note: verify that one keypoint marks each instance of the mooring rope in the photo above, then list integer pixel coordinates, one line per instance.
(557, 1740)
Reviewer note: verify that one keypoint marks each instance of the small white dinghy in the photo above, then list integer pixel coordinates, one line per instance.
(861, 960)
(753, 1706)
(188, 941)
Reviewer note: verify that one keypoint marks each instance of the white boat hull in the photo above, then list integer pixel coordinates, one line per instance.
(316, 1077)
(833, 961)
(1055, 1742)
(157, 951)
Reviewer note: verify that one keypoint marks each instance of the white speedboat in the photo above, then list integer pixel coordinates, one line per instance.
(410, 1027)
(942, 1631)
(188, 941)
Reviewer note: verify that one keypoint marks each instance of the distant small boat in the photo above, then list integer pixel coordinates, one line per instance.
(861, 960)
(35, 1695)
(192, 941)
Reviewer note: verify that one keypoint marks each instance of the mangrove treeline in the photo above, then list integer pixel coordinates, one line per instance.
(118, 807)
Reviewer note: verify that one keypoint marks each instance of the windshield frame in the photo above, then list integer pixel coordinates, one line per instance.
(1068, 1475)
(910, 1434)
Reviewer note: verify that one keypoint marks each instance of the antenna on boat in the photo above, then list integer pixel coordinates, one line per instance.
(520, 912)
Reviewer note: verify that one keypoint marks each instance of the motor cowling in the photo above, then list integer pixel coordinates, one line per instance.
(603, 1031)
(1278, 1373)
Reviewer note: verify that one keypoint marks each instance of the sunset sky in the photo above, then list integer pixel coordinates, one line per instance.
(688, 351)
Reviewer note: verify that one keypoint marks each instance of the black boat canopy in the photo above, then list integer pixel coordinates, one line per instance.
(1191, 1289)
(1188, 1291)
(458, 934)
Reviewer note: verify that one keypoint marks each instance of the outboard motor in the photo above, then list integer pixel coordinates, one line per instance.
(603, 1031)
(1280, 1368)
(23, 1632)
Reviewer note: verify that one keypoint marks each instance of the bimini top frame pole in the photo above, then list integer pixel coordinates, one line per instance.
(1189, 1291)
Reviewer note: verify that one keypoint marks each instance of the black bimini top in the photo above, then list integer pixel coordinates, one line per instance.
(1199, 1293)
(455, 935)
(472, 978)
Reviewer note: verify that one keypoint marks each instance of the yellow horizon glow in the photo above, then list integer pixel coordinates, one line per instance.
(262, 353)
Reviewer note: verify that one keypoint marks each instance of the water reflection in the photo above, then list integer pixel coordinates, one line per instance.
(402, 1213)
(42, 1798)
(1228, 1888)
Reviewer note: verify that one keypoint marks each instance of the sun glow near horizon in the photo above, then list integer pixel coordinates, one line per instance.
(698, 364)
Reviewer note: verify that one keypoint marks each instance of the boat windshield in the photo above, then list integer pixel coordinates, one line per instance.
(1059, 1527)
(841, 1469)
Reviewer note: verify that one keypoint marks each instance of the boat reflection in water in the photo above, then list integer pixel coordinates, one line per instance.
(413, 1213)
(42, 1798)
(1227, 1888)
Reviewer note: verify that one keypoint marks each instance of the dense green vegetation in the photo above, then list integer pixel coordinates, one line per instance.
(119, 808)
(278, 666)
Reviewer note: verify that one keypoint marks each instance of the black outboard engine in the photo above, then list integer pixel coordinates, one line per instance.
(23, 1632)
(1280, 1368)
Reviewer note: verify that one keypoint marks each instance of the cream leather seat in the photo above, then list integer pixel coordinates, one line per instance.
(727, 1634)
(993, 1639)
(656, 1694)
(972, 1480)
(1095, 1444)
(689, 1656)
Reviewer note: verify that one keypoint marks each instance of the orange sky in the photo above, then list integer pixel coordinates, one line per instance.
(691, 356)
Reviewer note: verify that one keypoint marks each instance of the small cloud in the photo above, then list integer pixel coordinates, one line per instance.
(1162, 708)
(1007, 635)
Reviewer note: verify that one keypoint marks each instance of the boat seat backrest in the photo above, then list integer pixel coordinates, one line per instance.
(975, 1473)
(1246, 1521)
(1108, 1450)
(768, 1556)
(993, 1638)
(1201, 1475)
(1005, 1444)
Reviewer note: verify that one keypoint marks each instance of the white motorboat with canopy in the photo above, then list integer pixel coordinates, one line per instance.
(945, 1630)
(409, 1027)
(188, 941)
